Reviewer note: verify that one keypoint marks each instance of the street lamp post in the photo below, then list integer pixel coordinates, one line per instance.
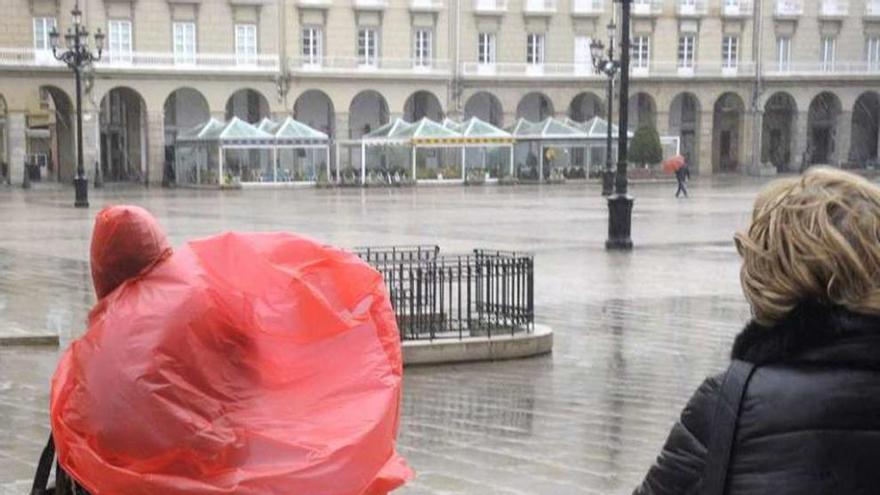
(78, 56)
(608, 66)
(620, 204)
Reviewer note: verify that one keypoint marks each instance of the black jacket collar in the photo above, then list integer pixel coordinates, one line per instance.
(813, 333)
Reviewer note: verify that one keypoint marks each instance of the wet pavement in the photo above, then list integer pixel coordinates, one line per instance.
(634, 333)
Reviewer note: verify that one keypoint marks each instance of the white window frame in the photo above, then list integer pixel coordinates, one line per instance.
(872, 53)
(42, 46)
(729, 53)
(246, 44)
(312, 50)
(783, 53)
(584, 63)
(535, 45)
(828, 53)
(184, 42)
(640, 53)
(119, 41)
(423, 48)
(368, 47)
(486, 54)
(687, 48)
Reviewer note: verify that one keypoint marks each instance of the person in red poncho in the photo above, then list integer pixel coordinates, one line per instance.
(262, 363)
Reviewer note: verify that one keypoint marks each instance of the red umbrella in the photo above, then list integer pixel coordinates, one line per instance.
(673, 164)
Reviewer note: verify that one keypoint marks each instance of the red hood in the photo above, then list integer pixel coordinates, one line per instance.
(126, 241)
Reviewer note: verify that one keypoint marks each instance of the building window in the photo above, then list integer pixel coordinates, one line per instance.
(486, 48)
(312, 46)
(872, 53)
(535, 49)
(119, 40)
(368, 47)
(184, 42)
(828, 53)
(783, 53)
(583, 58)
(729, 52)
(42, 27)
(686, 45)
(640, 53)
(246, 43)
(422, 48)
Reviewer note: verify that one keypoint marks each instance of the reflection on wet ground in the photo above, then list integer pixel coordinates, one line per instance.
(635, 334)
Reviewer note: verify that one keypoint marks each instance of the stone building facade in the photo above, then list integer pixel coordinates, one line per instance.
(740, 82)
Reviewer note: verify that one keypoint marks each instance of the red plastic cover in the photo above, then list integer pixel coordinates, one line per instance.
(240, 364)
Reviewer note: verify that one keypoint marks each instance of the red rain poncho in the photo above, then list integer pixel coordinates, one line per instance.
(240, 364)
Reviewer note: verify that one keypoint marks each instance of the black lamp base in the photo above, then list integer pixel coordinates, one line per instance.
(81, 185)
(619, 222)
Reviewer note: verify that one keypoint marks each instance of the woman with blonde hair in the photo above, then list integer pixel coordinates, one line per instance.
(798, 410)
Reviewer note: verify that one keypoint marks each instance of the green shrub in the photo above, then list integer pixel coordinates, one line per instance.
(646, 148)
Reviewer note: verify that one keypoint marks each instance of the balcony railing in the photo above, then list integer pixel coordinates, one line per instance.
(837, 68)
(160, 61)
(370, 4)
(315, 3)
(354, 65)
(539, 7)
(585, 70)
(587, 8)
(834, 8)
(789, 8)
(872, 9)
(490, 6)
(426, 5)
(737, 8)
(647, 7)
(692, 8)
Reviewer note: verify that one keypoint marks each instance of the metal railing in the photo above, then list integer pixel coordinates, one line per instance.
(539, 6)
(834, 8)
(315, 3)
(647, 7)
(370, 4)
(737, 8)
(149, 61)
(789, 8)
(426, 4)
(837, 68)
(488, 6)
(691, 8)
(484, 293)
(587, 7)
(585, 71)
(319, 65)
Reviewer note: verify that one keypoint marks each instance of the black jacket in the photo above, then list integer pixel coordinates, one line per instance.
(810, 418)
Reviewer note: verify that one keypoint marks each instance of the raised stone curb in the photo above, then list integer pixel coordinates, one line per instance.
(26, 340)
(469, 349)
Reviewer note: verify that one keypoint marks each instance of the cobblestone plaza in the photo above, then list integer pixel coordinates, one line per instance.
(634, 333)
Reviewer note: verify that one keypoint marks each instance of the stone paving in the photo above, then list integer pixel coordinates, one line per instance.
(635, 333)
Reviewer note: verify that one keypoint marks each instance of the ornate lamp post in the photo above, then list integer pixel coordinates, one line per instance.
(77, 56)
(608, 66)
(620, 203)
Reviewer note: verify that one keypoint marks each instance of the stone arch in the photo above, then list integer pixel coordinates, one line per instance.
(247, 104)
(52, 133)
(485, 106)
(123, 126)
(421, 104)
(367, 111)
(642, 111)
(315, 109)
(822, 128)
(865, 130)
(184, 108)
(684, 122)
(727, 132)
(584, 106)
(535, 106)
(777, 132)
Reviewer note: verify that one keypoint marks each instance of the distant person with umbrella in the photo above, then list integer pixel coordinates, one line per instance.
(678, 165)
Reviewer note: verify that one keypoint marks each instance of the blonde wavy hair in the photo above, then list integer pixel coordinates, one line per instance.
(813, 238)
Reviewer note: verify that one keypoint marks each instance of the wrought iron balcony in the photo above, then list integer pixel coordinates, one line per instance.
(737, 8)
(539, 7)
(151, 61)
(490, 6)
(370, 4)
(587, 8)
(789, 8)
(834, 9)
(643, 8)
(426, 5)
(692, 8)
(342, 66)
